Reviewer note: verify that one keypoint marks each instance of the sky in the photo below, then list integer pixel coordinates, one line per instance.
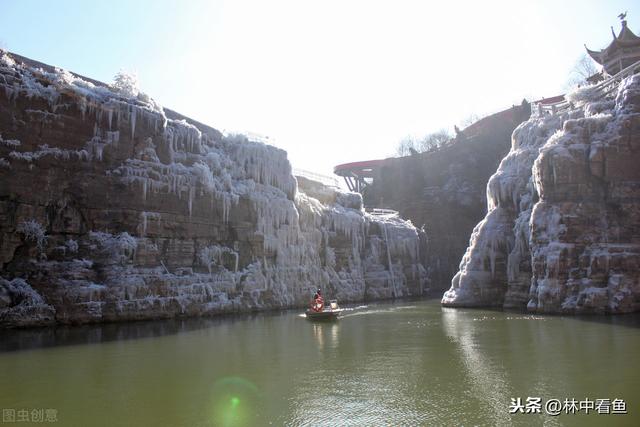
(328, 81)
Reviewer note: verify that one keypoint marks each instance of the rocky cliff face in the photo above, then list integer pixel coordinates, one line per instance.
(562, 234)
(445, 190)
(114, 208)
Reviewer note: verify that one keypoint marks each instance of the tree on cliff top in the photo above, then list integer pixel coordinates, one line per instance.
(126, 84)
(429, 142)
(584, 68)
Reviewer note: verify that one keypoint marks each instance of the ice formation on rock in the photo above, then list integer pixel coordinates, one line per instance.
(21, 305)
(563, 229)
(149, 214)
(126, 83)
(33, 231)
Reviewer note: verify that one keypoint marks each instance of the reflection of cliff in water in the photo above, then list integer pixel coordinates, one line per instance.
(488, 380)
(26, 339)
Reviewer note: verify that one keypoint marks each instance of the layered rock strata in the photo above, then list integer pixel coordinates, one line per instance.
(113, 208)
(562, 234)
(445, 189)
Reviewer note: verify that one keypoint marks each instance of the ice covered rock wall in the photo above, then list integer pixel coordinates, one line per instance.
(444, 189)
(113, 208)
(562, 234)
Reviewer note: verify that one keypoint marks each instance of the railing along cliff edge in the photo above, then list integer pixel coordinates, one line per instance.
(601, 90)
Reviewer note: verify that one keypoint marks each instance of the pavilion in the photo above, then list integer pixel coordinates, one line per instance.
(623, 51)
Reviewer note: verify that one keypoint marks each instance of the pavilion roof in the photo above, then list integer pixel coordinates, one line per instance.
(625, 39)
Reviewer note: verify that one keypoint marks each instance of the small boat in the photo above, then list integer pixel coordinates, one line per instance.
(329, 312)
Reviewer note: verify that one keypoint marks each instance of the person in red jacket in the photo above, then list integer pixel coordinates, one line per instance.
(317, 304)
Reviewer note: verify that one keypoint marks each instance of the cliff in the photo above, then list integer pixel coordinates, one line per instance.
(444, 190)
(562, 234)
(114, 208)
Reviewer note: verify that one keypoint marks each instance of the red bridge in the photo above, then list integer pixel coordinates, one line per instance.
(358, 175)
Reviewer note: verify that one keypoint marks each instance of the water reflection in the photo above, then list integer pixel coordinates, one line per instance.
(364, 373)
(389, 364)
(326, 330)
(487, 381)
(27, 339)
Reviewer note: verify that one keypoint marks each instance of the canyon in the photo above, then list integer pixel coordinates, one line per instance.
(114, 208)
(444, 190)
(562, 232)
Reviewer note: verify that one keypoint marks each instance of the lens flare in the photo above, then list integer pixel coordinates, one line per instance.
(235, 402)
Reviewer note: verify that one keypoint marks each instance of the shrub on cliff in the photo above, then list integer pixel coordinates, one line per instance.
(126, 84)
(33, 231)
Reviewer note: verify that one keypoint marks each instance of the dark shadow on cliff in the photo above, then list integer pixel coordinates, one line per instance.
(444, 189)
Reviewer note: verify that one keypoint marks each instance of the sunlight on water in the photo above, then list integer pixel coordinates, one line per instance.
(381, 364)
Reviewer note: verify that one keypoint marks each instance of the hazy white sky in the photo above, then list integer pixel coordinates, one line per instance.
(328, 81)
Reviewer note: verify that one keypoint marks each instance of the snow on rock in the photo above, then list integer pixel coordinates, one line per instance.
(33, 231)
(117, 248)
(213, 256)
(149, 214)
(563, 229)
(126, 83)
(21, 305)
(483, 269)
(264, 164)
(9, 142)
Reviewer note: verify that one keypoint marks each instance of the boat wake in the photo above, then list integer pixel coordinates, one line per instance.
(357, 312)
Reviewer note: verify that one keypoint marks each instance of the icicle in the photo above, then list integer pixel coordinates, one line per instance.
(110, 116)
(192, 191)
(144, 224)
(133, 121)
(391, 276)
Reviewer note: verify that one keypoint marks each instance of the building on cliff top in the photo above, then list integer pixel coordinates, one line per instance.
(623, 51)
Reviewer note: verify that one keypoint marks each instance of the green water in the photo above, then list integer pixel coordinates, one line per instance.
(410, 363)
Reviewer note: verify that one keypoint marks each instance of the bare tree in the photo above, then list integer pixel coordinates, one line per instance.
(584, 68)
(406, 147)
(409, 145)
(434, 140)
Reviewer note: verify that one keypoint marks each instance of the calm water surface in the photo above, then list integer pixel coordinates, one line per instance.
(410, 363)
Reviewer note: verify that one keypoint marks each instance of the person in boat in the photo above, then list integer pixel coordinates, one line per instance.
(317, 304)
